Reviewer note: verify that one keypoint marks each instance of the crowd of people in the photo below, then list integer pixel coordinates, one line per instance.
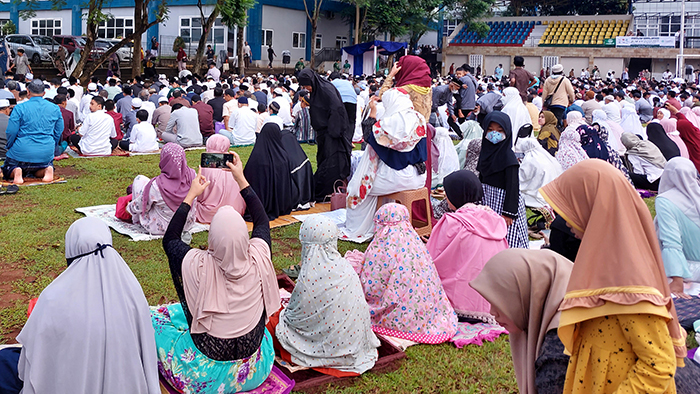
(559, 158)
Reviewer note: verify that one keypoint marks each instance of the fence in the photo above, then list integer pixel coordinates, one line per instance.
(329, 54)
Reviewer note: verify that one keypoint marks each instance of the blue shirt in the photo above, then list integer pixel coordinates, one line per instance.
(346, 90)
(33, 131)
(679, 238)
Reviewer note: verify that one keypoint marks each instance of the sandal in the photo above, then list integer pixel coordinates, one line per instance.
(10, 189)
(293, 271)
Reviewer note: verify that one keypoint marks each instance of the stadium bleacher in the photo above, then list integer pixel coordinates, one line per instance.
(582, 33)
(500, 34)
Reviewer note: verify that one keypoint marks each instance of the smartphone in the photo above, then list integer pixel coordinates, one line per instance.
(215, 160)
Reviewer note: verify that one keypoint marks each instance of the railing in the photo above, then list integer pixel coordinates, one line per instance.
(329, 54)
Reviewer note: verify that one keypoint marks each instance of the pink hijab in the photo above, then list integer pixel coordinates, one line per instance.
(223, 189)
(691, 116)
(229, 285)
(175, 177)
(401, 285)
(669, 126)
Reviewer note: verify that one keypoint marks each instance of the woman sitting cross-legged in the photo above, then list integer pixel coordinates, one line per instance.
(223, 189)
(327, 322)
(401, 285)
(155, 201)
(215, 338)
(463, 241)
(90, 331)
(645, 160)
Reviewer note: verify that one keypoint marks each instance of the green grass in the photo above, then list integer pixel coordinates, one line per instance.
(32, 229)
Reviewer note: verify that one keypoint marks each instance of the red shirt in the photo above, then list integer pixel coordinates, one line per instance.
(117, 123)
(206, 118)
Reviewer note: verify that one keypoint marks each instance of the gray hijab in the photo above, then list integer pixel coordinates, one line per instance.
(91, 329)
(644, 149)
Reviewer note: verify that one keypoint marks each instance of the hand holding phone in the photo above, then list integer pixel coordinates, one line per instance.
(215, 160)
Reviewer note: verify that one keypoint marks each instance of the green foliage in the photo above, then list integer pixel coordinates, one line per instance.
(9, 28)
(235, 12)
(470, 11)
(178, 44)
(567, 7)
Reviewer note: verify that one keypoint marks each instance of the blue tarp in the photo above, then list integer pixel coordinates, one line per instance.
(358, 50)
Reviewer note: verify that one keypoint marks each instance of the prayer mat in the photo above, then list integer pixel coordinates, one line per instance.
(276, 383)
(155, 152)
(73, 152)
(35, 182)
(646, 193)
(688, 311)
(476, 334)
(296, 216)
(338, 217)
(135, 231)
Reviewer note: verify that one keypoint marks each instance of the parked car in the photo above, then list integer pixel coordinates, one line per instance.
(124, 53)
(72, 42)
(48, 43)
(34, 51)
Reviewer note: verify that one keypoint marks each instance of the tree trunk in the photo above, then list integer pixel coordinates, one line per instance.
(140, 19)
(314, 26)
(357, 23)
(239, 49)
(390, 59)
(206, 28)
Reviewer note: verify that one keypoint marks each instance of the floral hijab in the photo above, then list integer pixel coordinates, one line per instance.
(570, 151)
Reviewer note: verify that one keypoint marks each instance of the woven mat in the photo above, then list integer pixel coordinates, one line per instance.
(73, 152)
(35, 182)
(296, 217)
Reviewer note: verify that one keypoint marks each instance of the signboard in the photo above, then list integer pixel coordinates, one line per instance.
(609, 42)
(645, 42)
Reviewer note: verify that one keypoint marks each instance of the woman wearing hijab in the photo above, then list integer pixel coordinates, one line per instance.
(333, 134)
(609, 128)
(549, 133)
(618, 307)
(328, 290)
(591, 143)
(658, 137)
(498, 172)
(95, 317)
(669, 126)
(302, 121)
(393, 161)
(301, 170)
(270, 174)
(646, 162)
(472, 156)
(74, 60)
(515, 109)
(401, 285)
(613, 157)
(155, 201)
(215, 338)
(630, 122)
(570, 151)
(463, 241)
(691, 116)
(223, 190)
(537, 169)
(678, 223)
(690, 135)
(525, 288)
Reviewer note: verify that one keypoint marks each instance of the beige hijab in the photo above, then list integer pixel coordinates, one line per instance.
(618, 268)
(228, 285)
(527, 286)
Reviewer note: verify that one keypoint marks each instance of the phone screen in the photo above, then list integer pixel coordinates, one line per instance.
(215, 160)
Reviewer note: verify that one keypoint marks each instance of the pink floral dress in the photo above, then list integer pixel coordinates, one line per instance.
(401, 285)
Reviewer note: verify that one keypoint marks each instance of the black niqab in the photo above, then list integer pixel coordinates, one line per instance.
(268, 172)
(496, 157)
(301, 172)
(658, 136)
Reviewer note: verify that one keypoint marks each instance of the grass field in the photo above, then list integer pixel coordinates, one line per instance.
(32, 228)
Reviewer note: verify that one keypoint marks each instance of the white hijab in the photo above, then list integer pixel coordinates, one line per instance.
(515, 109)
(679, 184)
(327, 322)
(613, 110)
(537, 169)
(401, 127)
(91, 329)
(448, 161)
(600, 117)
(631, 123)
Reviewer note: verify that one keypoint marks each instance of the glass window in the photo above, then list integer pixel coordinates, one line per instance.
(341, 41)
(298, 40)
(319, 42)
(191, 30)
(267, 37)
(115, 28)
(46, 27)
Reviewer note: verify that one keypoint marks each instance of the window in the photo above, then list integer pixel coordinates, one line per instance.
(318, 45)
(669, 25)
(549, 61)
(476, 61)
(267, 37)
(649, 26)
(448, 26)
(298, 40)
(340, 41)
(115, 28)
(191, 30)
(46, 27)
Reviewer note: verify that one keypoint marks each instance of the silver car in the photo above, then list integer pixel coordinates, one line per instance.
(48, 43)
(124, 53)
(32, 49)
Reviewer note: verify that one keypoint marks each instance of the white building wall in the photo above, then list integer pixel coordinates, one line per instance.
(283, 22)
(329, 29)
(25, 26)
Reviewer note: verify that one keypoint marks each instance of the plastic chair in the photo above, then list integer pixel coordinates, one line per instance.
(407, 198)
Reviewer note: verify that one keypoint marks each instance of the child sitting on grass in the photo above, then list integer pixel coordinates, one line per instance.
(143, 135)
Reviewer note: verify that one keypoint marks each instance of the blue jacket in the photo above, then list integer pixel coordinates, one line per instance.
(679, 238)
(33, 131)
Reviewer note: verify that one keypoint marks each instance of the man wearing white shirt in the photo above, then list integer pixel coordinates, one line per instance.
(85, 102)
(285, 109)
(244, 121)
(94, 136)
(146, 104)
(73, 103)
(214, 72)
(143, 135)
(186, 120)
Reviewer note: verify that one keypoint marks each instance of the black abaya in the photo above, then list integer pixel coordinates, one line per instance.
(330, 122)
(658, 136)
(268, 172)
(301, 172)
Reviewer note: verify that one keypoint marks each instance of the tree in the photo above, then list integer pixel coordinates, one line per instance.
(235, 13)
(207, 24)
(313, 18)
(9, 28)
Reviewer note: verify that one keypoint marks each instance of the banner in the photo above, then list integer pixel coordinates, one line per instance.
(646, 42)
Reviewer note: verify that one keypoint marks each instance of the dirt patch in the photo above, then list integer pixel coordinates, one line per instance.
(14, 203)
(68, 172)
(9, 275)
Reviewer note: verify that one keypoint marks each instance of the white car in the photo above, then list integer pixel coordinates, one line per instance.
(124, 53)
